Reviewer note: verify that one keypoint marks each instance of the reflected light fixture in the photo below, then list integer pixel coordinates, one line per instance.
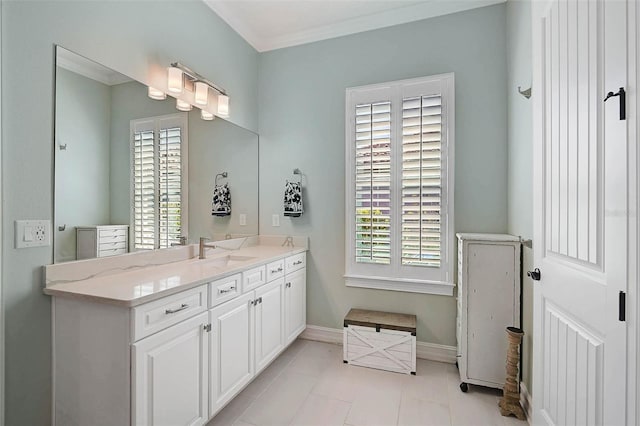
(156, 94)
(202, 93)
(223, 105)
(174, 79)
(183, 106)
(206, 115)
(182, 78)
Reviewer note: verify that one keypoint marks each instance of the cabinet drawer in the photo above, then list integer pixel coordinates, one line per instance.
(111, 252)
(113, 245)
(160, 314)
(112, 233)
(275, 270)
(293, 263)
(253, 278)
(224, 289)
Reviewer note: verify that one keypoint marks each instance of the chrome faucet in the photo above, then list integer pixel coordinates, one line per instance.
(201, 254)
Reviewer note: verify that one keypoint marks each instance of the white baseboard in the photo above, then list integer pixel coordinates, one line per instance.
(322, 334)
(424, 350)
(525, 401)
(435, 352)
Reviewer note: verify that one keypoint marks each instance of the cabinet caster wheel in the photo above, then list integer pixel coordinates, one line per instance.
(464, 387)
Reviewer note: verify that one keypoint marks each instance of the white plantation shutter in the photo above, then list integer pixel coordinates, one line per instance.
(144, 190)
(421, 180)
(399, 198)
(158, 181)
(373, 183)
(170, 186)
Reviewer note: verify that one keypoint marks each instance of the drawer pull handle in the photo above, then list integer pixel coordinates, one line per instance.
(299, 262)
(173, 311)
(274, 271)
(226, 290)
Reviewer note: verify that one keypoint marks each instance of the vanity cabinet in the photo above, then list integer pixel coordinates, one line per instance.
(246, 335)
(232, 337)
(170, 371)
(295, 304)
(269, 320)
(101, 241)
(177, 360)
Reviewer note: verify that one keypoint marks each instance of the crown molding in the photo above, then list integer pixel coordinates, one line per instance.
(88, 68)
(388, 18)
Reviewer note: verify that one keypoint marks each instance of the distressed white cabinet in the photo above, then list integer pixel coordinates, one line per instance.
(170, 370)
(101, 241)
(488, 302)
(232, 340)
(295, 304)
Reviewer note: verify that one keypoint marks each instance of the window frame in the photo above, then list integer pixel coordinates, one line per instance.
(155, 124)
(395, 276)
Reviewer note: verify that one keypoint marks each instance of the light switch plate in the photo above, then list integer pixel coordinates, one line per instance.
(243, 219)
(32, 233)
(275, 220)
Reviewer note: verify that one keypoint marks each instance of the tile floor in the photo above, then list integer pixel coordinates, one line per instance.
(310, 385)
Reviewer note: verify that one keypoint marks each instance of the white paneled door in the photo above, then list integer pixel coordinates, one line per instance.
(582, 212)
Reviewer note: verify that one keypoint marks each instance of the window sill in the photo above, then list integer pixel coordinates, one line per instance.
(404, 285)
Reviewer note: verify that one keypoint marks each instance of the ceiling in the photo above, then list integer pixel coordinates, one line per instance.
(273, 24)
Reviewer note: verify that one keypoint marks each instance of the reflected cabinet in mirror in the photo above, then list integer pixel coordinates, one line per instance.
(134, 173)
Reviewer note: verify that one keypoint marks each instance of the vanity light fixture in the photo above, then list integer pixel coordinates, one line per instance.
(223, 105)
(183, 106)
(186, 79)
(156, 94)
(174, 79)
(202, 93)
(206, 115)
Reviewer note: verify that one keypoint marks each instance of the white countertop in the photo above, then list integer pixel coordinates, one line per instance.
(142, 285)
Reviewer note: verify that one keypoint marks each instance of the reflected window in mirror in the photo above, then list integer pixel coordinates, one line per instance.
(159, 181)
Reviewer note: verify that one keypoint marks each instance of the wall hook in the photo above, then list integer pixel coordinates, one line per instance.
(219, 175)
(526, 93)
(63, 147)
(297, 171)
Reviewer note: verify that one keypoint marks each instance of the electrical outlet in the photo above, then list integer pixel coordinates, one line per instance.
(275, 220)
(243, 219)
(32, 233)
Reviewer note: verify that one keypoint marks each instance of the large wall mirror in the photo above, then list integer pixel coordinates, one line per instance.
(133, 173)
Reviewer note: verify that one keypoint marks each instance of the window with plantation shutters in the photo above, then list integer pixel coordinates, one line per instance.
(158, 187)
(421, 178)
(399, 194)
(373, 182)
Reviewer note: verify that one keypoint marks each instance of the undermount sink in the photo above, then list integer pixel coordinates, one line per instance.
(229, 260)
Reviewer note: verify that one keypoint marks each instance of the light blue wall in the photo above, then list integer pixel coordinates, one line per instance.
(83, 109)
(519, 125)
(129, 37)
(302, 97)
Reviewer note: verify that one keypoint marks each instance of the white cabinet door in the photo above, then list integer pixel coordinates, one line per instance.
(170, 376)
(232, 336)
(295, 304)
(269, 322)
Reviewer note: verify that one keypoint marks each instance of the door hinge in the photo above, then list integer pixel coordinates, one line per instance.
(622, 305)
(207, 328)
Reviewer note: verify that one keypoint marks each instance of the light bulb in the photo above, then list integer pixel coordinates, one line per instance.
(174, 77)
(206, 115)
(223, 105)
(183, 106)
(202, 93)
(156, 94)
